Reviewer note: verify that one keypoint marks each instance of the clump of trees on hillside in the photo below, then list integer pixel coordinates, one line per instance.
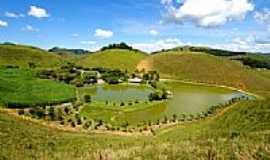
(254, 63)
(121, 45)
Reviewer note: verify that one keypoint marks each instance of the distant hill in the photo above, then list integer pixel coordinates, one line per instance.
(113, 58)
(21, 55)
(69, 51)
(215, 52)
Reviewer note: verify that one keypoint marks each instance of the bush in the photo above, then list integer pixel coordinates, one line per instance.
(87, 124)
(40, 113)
(20, 111)
(51, 114)
(67, 110)
(87, 98)
(73, 124)
(79, 121)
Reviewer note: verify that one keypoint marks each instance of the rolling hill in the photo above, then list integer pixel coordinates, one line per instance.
(240, 131)
(21, 56)
(113, 58)
(201, 67)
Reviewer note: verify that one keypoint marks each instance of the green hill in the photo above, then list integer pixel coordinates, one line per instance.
(21, 56)
(113, 58)
(200, 67)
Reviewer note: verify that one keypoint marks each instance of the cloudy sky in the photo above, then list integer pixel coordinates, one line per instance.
(150, 25)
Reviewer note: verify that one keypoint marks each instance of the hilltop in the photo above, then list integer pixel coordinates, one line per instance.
(123, 59)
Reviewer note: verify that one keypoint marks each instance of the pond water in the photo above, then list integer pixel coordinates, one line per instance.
(187, 99)
(119, 93)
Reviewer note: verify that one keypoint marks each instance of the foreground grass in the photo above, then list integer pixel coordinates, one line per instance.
(215, 138)
(22, 88)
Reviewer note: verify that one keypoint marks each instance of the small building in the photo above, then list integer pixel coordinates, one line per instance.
(100, 81)
(135, 80)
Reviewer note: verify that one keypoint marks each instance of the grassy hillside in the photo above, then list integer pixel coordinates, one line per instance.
(23, 55)
(205, 68)
(219, 138)
(113, 58)
(21, 88)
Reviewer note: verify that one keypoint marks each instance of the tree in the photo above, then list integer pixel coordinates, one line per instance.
(51, 114)
(40, 114)
(59, 114)
(87, 98)
(66, 110)
(32, 65)
(174, 117)
(20, 111)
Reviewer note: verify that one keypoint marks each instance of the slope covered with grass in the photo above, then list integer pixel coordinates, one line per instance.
(113, 58)
(199, 67)
(23, 55)
(215, 138)
(20, 88)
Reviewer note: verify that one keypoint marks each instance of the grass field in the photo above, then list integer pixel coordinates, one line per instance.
(23, 55)
(22, 88)
(113, 58)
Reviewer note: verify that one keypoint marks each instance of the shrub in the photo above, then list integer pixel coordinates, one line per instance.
(73, 124)
(51, 114)
(20, 111)
(87, 98)
(40, 113)
(62, 122)
(122, 104)
(79, 121)
(66, 110)
(87, 124)
(60, 114)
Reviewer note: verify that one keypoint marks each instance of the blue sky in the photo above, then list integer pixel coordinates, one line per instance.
(148, 25)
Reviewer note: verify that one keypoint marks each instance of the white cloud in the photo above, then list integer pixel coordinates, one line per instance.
(247, 44)
(89, 42)
(153, 32)
(3, 24)
(29, 28)
(166, 2)
(262, 17)
(75, 35)
(158, 45)
(101, 33)
(38, 12)
(13, 15)
(207, 13)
